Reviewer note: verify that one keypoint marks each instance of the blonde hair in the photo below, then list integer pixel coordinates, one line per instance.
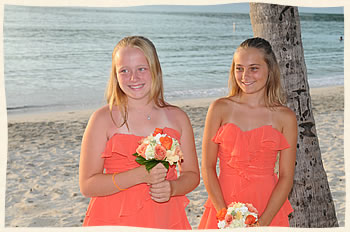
(274, 94)
(115, 95)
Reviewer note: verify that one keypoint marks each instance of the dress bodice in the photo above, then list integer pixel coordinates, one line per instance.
(134, 206)
(252, 151)
(119, 150)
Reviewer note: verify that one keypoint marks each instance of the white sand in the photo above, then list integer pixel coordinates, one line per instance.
(43, 157)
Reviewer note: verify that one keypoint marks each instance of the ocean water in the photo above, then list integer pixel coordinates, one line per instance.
(59, 58)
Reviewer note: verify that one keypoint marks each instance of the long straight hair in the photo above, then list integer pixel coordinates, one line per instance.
(115, 95)
(274, 94)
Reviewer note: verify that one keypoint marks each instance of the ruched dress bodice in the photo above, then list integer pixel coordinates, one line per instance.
(247, 162)
(134, 206)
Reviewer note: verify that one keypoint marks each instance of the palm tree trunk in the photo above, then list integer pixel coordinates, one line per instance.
(310, 197)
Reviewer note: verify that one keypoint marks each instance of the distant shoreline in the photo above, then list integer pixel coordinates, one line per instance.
(57, 114)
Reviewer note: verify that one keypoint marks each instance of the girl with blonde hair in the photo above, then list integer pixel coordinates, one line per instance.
(122, 191)
(246, 130)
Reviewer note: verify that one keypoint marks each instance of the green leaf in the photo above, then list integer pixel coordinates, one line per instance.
(151, 164)
(166, 164)
(141, 160)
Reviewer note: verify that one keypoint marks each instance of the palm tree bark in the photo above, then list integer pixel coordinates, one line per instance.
(310, 197)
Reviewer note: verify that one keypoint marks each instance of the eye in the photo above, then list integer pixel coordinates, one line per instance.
(254, 68)
(239, 69)
(123, 71)
(142, 69)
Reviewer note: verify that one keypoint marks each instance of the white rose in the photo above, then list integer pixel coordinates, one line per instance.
(243, 209)
(149, 152)
(230, 209)
(237, 224)
(222, 224)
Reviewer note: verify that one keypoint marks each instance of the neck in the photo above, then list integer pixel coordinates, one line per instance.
(143, 105)
(253, 100)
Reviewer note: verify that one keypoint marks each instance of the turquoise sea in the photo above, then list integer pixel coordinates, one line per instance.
(58, 58)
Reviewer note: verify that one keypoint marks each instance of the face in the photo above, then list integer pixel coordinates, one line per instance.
(251, 71)
(133, 72)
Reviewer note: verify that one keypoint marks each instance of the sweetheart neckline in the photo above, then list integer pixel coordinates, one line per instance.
(141, 136)
(257, 128)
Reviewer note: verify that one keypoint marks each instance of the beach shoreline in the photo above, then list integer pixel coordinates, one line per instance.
(43, 158)
(57, 115)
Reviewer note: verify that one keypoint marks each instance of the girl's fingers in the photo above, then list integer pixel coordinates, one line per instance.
(160, 192)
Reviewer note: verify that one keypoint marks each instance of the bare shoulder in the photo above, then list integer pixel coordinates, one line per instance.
(177, 119)
(221, 104)
(100, 114)
(284, 112)
(176, 113)
(285, 117)
(102, 117)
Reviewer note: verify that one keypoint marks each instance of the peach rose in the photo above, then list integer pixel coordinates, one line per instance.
(166, 142)
(141, 150)
(160, 152)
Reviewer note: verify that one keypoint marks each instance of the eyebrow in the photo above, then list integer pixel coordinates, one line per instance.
(249, 65)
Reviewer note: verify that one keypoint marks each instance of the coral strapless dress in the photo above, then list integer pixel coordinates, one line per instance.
(134, 206)
(247, 161)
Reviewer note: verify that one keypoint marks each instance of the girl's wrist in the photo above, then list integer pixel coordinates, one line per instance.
(262, 222)
(143, 175)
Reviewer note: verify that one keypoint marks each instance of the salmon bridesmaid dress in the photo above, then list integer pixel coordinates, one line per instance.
(134, 206)
(247, 161)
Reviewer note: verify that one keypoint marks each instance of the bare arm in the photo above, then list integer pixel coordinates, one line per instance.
(189, 171)
(93, 182)
(286, 171)
(209, 156)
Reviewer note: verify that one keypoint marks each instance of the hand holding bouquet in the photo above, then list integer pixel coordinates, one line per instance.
(158, 148)
(237, 215)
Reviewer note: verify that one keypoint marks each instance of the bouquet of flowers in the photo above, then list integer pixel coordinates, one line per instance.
(237, 215)
(158, 148)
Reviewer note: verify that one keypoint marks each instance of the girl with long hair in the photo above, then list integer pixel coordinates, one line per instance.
(246, 130)
(122, 191)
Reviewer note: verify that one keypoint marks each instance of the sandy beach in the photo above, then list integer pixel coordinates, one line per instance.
(42, 187)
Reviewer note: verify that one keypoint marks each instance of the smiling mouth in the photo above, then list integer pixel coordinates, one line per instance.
(136, 86)
(247, 83)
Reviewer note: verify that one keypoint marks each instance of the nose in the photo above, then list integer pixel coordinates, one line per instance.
(245, 75)
(134, 76)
